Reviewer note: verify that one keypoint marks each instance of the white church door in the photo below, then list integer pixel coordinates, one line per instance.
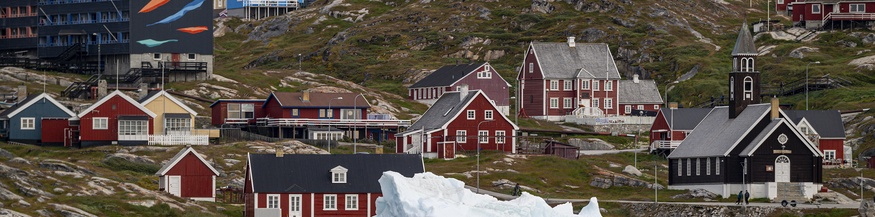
(782, 169)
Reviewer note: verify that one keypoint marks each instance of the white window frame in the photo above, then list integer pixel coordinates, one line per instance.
(780, 2)
(860, 8)
(351, 202)
(815, 6)
(708, 166)
(689, 166)
(584, 84)
(717, 166)
(640, 107)
(567, 102)
(531, 67)
(487, 114)
(101, 123)
(177, 126)
(338, 177)
(595, 85)
(628, 109)
(471, 114)
(698, 167)
(609, 85)
(461, 136)
(554, 102)
(680, 167)
(28, 123)
(483, 136)
(595, 102)
(748, 90)
(554, 84)
(829, 154)
(133, 127)
(609, 103)
(567, 85)
(325, 202)
(273, 201)
(656, 107)
(500, 136)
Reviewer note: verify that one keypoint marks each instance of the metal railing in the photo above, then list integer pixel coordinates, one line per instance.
(617, 120)
(332, 122)
(179, 140)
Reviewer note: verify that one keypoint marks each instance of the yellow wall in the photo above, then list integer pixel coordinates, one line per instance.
(158, 107)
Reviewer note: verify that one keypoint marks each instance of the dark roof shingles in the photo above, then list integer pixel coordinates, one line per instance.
(447, 75)
(300, 173)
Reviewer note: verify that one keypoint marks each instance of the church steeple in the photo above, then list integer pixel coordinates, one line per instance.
(744, 79)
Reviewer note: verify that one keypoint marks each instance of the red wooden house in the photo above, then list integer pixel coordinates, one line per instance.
(459, 120)
(639, 97)
(814, 14)
(672, 125)
(188, 175)
(784, 6)
(236, 111)
(478, 76)
(116, 118)
(826, 130)
(558, 79)
(307, 112)
(320, 185)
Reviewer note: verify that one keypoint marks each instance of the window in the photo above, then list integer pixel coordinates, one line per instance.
(486, 73)
(628, 109)
(595, 102)
(815, 9)
(595, 85)
(717, 166)
(609, 85)
(804, 130)
(750, 66)
(28, 123)
(295, 113)
(609, 103)
(487, 114)
(338, 174)
(472, 115)
(554, 84)
(743, 64)
(640, 107)
(858, 8)
(780, 2)
(584, 85)
(748, 87)
(461, 136)
(656, 107)
(731, 86)
(352, 202)
(680, 167)
(698, 169)
(499, 136)
(483, 136)
(177, 126)
(156, 56)
(708, 166)
(273, 201)
(240, 110)
(100, 123)
(689, 166)
(330, 202)
(567, 85)
(132, 127)
(567, 102)
(326, 113)
(192, 56)
(531, 67)
(829, 154)
(554, 102)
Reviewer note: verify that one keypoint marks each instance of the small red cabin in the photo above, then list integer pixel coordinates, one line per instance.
(236, 111)
(116, 118)
(188, 175)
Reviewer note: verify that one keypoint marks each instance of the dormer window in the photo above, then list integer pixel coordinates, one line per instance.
(338, 174)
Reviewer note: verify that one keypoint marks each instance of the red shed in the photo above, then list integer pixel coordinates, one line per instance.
(236, 111)
(115, 118)
(562, 150)
(188, 175)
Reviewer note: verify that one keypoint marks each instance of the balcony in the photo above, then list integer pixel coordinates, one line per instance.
(287, 122)
(665, 144)
(179, 140)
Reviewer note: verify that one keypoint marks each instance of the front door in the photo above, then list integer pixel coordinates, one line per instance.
(295, 205)
(173, 185)
(174, 59)
(782, 169)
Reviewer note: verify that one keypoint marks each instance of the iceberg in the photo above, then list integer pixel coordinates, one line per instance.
(427, 194)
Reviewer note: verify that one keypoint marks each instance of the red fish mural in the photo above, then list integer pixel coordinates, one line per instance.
(152, 5)
(193, 30)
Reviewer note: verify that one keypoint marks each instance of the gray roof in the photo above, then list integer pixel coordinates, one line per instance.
(827, 123)
(311, 173)
(643, 92)
(584, 60)
(774, 124)
(18, 105)
(684, 118)
(147, 96)
(744, 43)
(447, 75)
(442, 111)
(717, 133)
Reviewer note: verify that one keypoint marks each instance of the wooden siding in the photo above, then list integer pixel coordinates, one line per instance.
(38, 110)
(495, 87)
(220, 111)
(461, 122)
(318, 204)
(660, 123)
(196, 178)
(739, 103)
(834, 144)
(248, 195)
(273, 109)
(111, 109)
(804, 167)
(532, 92)
(160, 108)
(647, 107)
(703, 177)
(53, 131)
(427, 93)
(560, 94)
(845, 7)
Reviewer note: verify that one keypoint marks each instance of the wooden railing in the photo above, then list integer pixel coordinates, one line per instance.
(179, 140)
(665, 144)
(331, 122)
(846, 16)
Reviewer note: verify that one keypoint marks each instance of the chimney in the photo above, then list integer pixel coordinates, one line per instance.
(143, 90)
(21, 93)
(279, 151)
(775, 107)
(571, 41)
(306, 97)
(635, 78)
(673, 105)
(463, 91)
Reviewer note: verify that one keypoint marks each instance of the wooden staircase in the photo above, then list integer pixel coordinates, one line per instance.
(791, 191)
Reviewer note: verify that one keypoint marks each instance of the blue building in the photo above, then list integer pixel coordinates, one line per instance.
(38, 119)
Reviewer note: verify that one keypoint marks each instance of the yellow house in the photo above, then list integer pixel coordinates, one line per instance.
(174, 123)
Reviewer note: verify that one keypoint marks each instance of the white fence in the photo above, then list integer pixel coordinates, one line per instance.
(133, 137)
(179, 140)
(618, 120)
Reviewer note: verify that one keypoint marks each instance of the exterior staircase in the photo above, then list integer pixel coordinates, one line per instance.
(790, 191)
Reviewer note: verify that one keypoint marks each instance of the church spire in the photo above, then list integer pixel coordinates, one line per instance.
(744, 79)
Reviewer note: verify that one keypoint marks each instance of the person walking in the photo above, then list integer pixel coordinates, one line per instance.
(516, 190)
(746, 197)
(740, 194)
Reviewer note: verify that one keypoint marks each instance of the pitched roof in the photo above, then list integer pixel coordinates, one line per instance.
(644, 92)
(303, 173)
(178, 157)
(152, 96)
(717, 133)
(296, 100)
(123, 96)
(744, 42)
(30, 100)
(585, 60)
(684, 118)
(447, 75)
(766, 132)
(447, 107)
(827, 123)
(235, 100)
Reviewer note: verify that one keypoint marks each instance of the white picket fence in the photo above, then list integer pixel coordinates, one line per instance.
(179, 139)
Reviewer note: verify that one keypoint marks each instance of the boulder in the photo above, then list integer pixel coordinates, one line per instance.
(590, 144)
(19, 160)
(592, 34)
(56, 165)
(845, 43)
(869, 38)
(696, 193)
(867, 209)
(8, 195)
(6, 154)
(799, 53)
(631, 170)
(600, 182)
(69, 211)
(10, 213)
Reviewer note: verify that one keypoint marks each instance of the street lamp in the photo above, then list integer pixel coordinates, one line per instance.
(330, 115)
(478, 154)
(96, 38)
(355, 126)
(806, 82)
(299, 62)
(861, 183)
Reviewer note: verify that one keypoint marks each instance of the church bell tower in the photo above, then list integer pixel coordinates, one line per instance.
(744, 80)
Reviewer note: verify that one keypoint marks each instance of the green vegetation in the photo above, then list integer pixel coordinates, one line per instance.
(118, 164)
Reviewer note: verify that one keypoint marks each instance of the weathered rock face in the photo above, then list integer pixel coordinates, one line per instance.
(852, 184)
(6, 154)
(648, 209)
(507, 184)
(696, 193)
(543, 6)
(592, 34)
(867, 209)
(590, 144)
(631, 170)
(605, 182)
(799, 53)
(130, 158)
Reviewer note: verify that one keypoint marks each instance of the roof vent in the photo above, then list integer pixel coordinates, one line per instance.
(571, 41)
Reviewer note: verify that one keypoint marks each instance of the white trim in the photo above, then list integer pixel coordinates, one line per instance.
(369, 204)
(488, 114)
(808, 124)
(312, 206)
(172, 99)
(214, 187)
(113, 94)
(187, 151)
(300, 204)
(503, 137)
(799, 136)
(255, 206)
(278, 200)
(479, 137)
(470, 114)
(94, 121)
(557, 102)
(41, 96)
(32, 123)
(249, 168)
(742, 135)
(491, 70)
(325, 203)
(480, 92)
(346, 201)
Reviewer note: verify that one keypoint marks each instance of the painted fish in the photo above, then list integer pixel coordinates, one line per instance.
(193, 30)
(189, 7)
(152, 5)
(154, 43)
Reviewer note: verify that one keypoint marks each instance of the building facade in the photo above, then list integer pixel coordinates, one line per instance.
(188, 175)
(477, 76)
